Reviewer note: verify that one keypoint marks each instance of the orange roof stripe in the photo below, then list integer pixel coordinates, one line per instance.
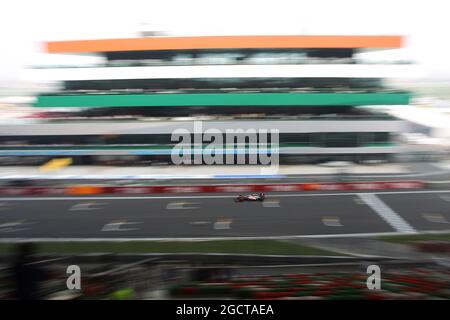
(224, 42)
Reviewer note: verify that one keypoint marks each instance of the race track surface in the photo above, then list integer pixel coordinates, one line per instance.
(217, 215)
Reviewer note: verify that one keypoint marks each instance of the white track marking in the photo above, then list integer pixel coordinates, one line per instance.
(116, 226)
(445, 197)
(332, 221)
(275, 203)
(4, 206)
(181, 205)
(389, 215)
(11, 224)
(223, 224)
(211, 197)
(312, 236)
(435, 217)
(199, 223)
(86, 206)
(14, 226)
(11, 229)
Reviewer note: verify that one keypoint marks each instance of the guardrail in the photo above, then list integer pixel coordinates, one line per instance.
(224, 188)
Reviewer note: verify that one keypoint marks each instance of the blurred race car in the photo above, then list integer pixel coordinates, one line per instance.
(251, 197)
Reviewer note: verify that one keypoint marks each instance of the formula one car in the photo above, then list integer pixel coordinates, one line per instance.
(251, 197)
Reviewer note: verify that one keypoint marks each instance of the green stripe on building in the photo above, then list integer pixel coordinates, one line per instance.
(224, 99)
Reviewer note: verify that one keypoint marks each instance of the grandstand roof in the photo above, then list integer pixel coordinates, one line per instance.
(226, 42)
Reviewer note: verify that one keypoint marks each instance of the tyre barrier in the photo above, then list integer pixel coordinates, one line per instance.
(225, 188)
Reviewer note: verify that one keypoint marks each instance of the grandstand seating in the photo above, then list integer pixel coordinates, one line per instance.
(416, 284)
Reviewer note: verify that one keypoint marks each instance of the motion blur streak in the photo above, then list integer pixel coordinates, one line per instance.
(247, 151)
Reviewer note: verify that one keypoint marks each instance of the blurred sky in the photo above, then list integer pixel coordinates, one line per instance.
(24, 25)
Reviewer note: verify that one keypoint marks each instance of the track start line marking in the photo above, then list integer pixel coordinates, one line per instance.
(435, 217)
(223, 224)
(117, 226)
(5, 206)
(182, 205)
(273, 203)
(87, 206)
(332, 222)
(14, 226)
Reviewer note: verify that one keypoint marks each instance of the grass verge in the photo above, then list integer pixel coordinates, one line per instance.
(263, 247)
(416, 237)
